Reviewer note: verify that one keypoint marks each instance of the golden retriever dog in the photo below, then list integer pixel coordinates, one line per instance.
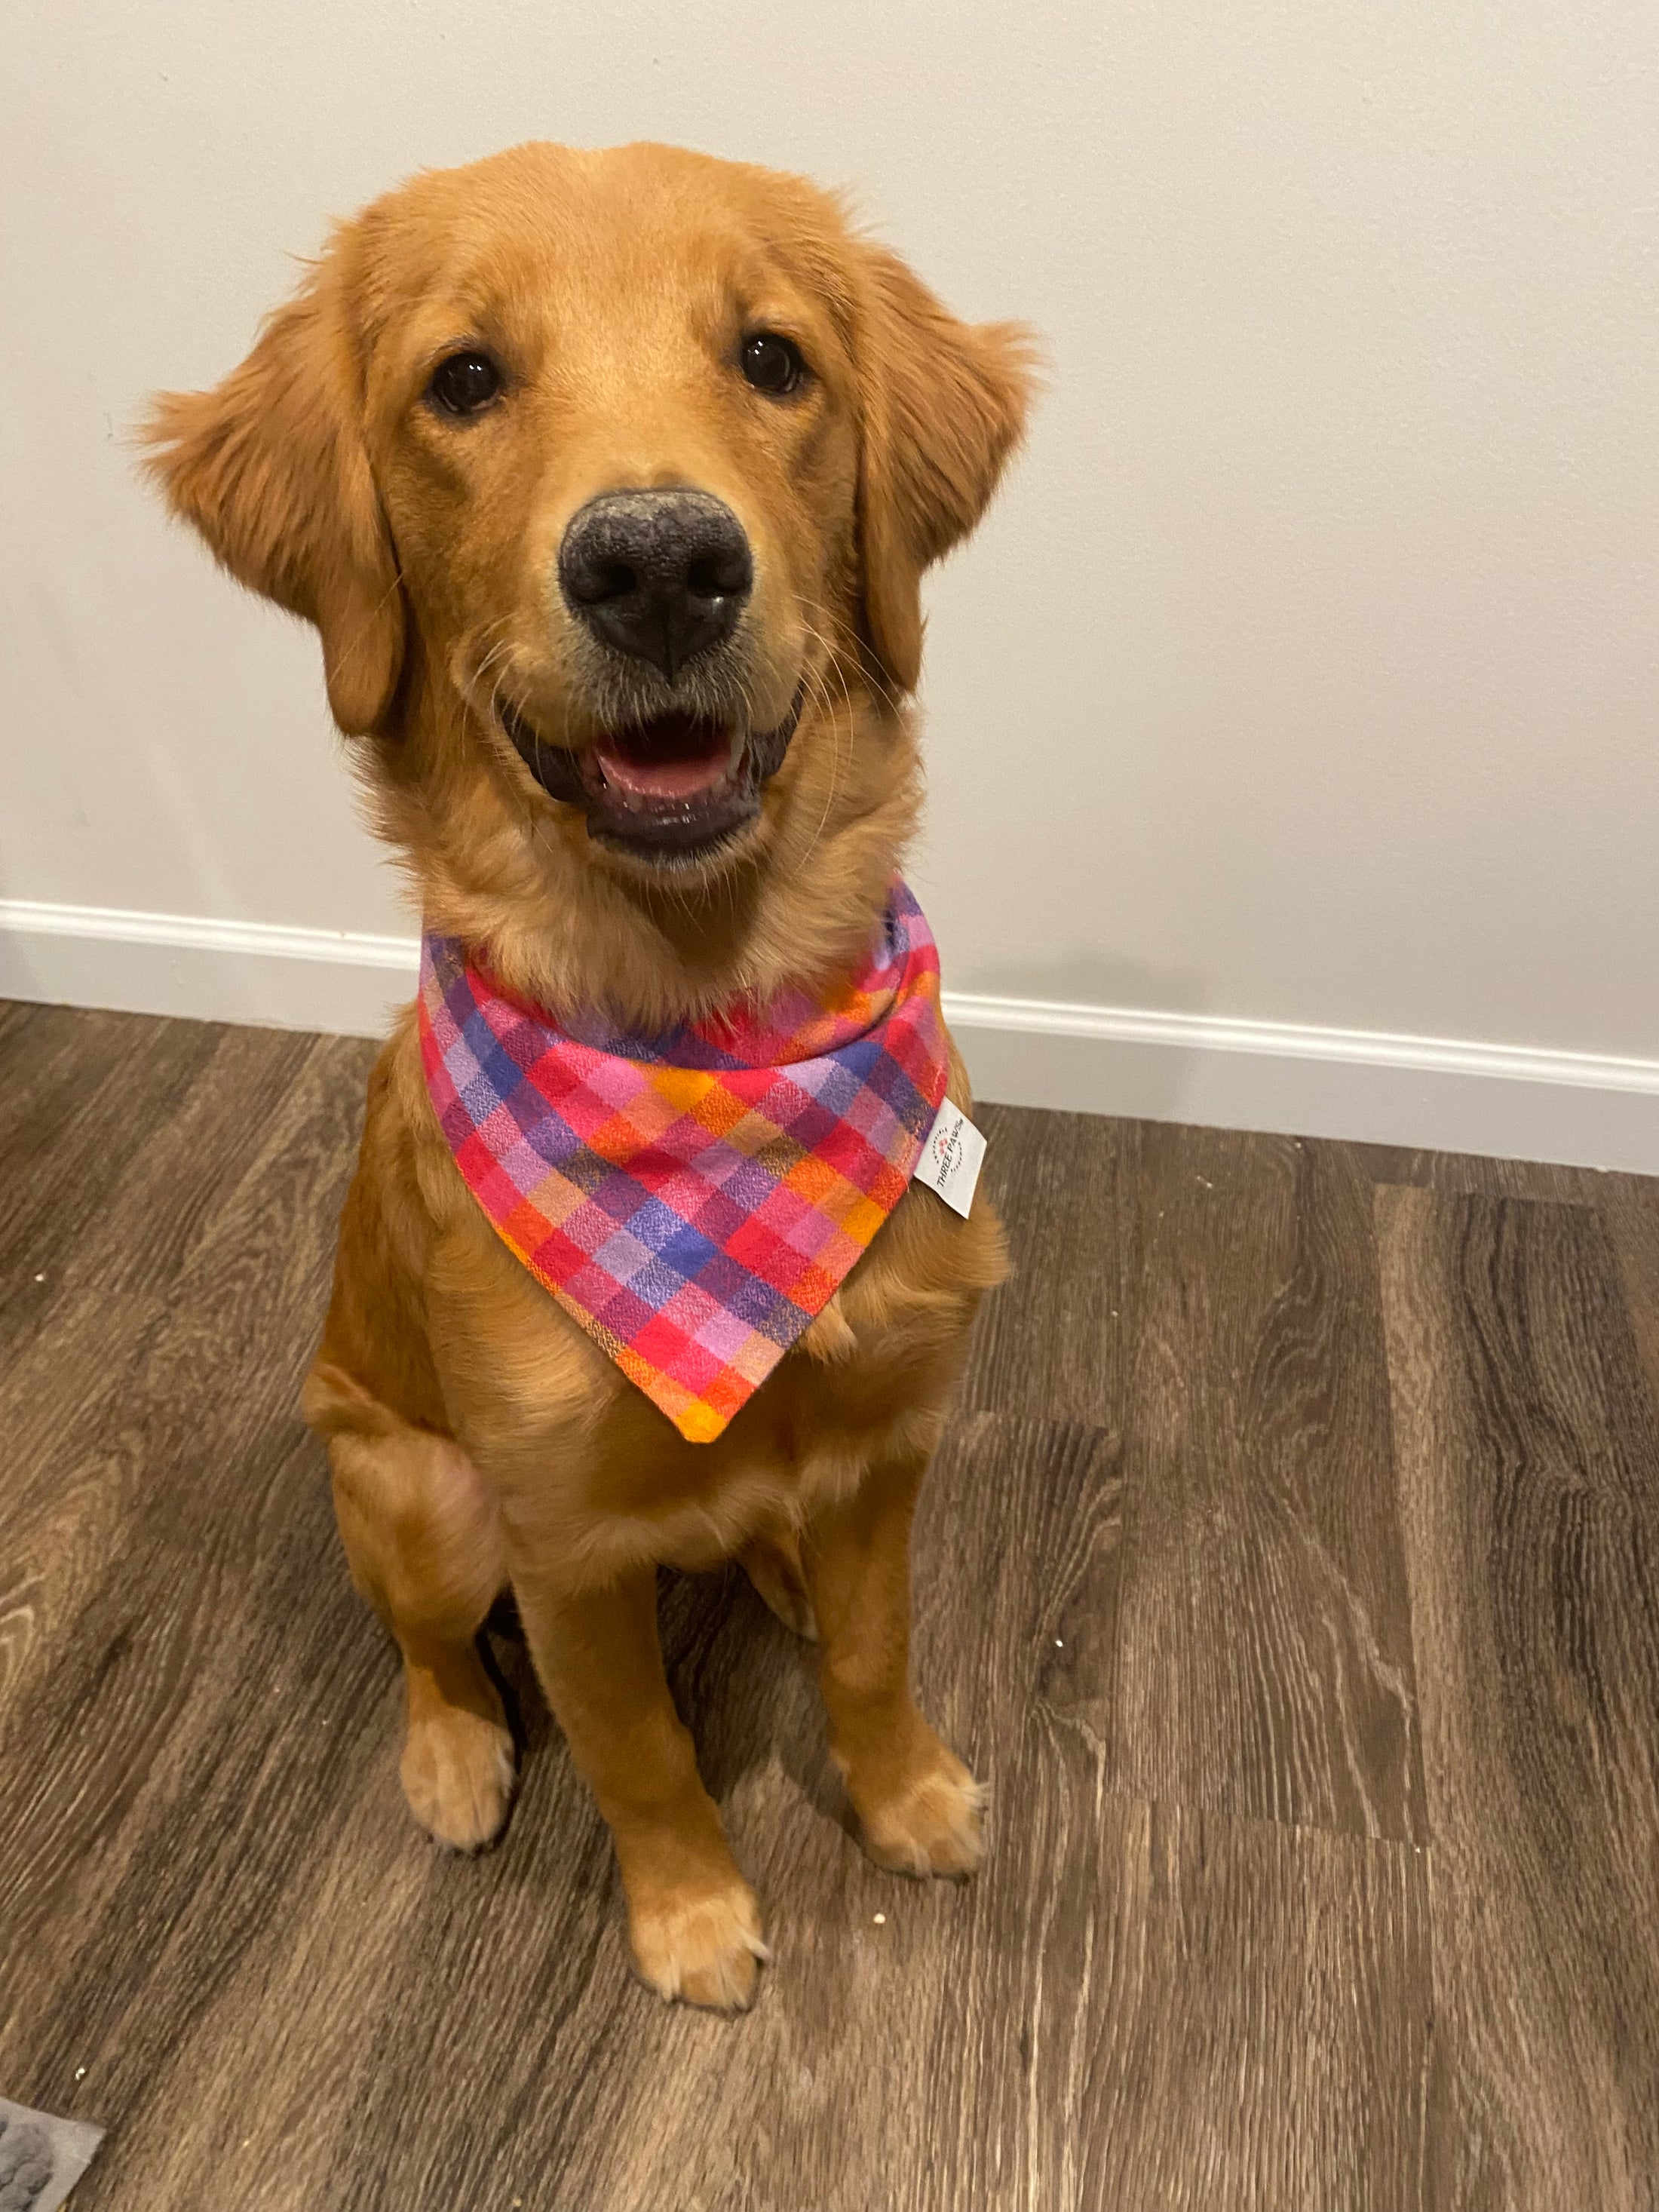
(607, 479)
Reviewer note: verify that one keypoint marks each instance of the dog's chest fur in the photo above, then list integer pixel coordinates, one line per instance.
(579, 1458)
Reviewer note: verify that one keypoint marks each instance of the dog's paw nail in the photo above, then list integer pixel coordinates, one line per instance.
(932, 1827)
(458, 1772)
(706, 1950)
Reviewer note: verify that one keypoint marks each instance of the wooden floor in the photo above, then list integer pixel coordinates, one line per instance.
(1291, 1568)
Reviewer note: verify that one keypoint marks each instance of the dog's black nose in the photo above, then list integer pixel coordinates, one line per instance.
(659, 575)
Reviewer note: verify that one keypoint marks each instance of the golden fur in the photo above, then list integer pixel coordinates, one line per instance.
(479, 1439)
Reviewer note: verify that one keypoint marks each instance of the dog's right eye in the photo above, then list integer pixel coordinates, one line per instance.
(772, 363)
(464, 383)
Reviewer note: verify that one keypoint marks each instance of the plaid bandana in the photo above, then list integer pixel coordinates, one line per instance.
(694, 1200)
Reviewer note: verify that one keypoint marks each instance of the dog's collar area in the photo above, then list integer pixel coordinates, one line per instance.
(519, 1091)
(669, 832)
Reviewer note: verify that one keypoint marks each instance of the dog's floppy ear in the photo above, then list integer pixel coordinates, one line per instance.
(272, 467)
(943, 406)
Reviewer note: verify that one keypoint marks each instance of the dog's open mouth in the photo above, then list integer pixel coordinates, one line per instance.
(675, 788)
(675, 762)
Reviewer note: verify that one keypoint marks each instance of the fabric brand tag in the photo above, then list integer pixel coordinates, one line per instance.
(951, 1158)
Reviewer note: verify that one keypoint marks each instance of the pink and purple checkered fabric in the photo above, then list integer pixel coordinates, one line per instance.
(694, 1200)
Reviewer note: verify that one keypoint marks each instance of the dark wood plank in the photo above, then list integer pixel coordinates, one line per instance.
(1181, 1985)
(1050, 1345)
(1630, 1205)
(213, 1138)
(79, 1093)
(1529, 1481)
(1267, 1660)
(65, 1418)
(132, 1470)
(1474, 1174)
(1259, 2026)
(81, 1096)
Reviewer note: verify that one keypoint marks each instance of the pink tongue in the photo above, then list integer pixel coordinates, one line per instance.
(645, 772)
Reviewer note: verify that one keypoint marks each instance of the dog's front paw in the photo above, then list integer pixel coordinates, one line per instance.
(458, 1776)
(702, 1946)
(931, 1824)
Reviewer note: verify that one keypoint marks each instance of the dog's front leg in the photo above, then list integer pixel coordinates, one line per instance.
(693, 1921)
(919, 1805)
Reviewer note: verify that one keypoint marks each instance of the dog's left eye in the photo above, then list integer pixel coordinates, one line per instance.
(771, 363)
(464, 383)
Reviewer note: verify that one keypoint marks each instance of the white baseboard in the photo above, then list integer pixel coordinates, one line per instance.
(1584, 1110)
(343, 981)
(1442, 1094)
